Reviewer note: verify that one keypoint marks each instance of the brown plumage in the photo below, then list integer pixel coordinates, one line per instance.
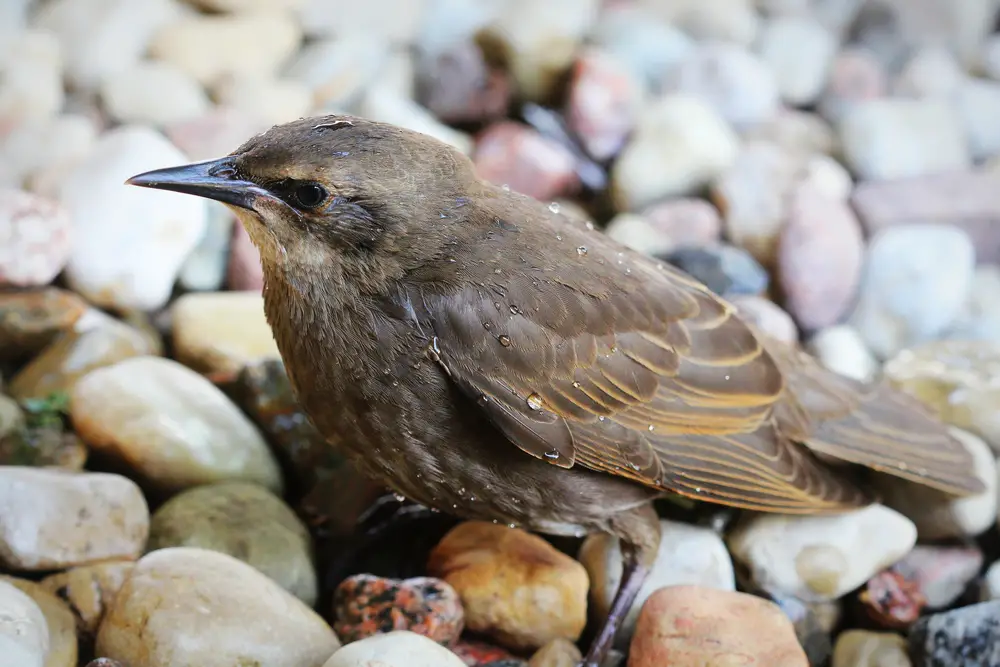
(485, 355)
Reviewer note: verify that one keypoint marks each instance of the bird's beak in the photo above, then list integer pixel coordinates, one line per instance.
(214, 179)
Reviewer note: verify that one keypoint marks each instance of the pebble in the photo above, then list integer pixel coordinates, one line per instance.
(512, 154)
(915, 282)
(99, 38)
(692, 626)
(115, 261)
(710, 20)
(725, 269)
(861, 648)
(237, 6)
(481, 654)
(365, 605)
(942, 573)
(990, 586)
(855, 76)
(840, 348)
(44, 144)
(930, 72)
(172, 426)
(980, 316)
(828, 177)
(687, 221)
(219, 132)
(458, 86)
(557, 653)
(538, 41)
(36, 436)
(337, 71)
(54, 519)
(204, 270)
(11, 416)
(978, 103)
(35, 239)
(798, 132)
(385, 105)
(800, 51)
(95, 340)
(189, 606)
(394, 649)
(24, 632)
(153, 92)
(61, 624)
(89, 590)
(604, 102)
(989, 57)
(495, 569)
(638, 233)
(767, 316)
(896, 138)
(964, 637)
(31, 71)
(820, 253)
(819, 558)
(244, 271)
(209, 47)
(273, 101)
(394, 21)
(245, 521)
(734, 81)
(221, 332)
(680, 145)
(687, 555)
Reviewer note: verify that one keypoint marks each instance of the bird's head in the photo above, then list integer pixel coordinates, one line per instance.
(335, 188)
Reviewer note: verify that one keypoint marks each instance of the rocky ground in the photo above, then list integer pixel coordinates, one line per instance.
(830, 166)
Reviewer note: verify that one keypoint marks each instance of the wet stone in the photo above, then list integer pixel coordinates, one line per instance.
(89, 590)
(30, 320)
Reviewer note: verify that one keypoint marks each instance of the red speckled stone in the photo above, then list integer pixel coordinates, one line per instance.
(365, 605)
(478, 654)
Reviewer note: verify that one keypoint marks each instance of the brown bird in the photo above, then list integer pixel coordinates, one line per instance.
(483, 354)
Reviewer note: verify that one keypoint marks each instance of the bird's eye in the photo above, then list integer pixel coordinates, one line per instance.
(310, 195)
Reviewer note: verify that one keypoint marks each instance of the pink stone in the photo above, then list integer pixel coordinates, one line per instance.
(687, 221)
(458, 86)
(604, 101)
(35, 239)
(244, 272)
(509, 153)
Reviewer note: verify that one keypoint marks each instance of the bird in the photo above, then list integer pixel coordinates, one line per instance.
(484, 354)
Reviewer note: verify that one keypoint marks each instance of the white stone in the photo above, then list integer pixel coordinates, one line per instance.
(13, 20)
(724, 20)
(680, 145)
(399, 648)
(639, 234)
(246, 5)
(337, 71)
(991, 583)
(938, 515)
(204, 270)
(31, 86)
(394, 20)
(841, 349)
(828, 176)
(100, 37)
(153, 92)
(688, 555)
(989, 58)
(45, 143)
(384, 105)
(274, 101)
(800, 51)
(930, 72)
(978, 102)
(980, 316)
(209, 47)
(24, 633)
(821, 557)
(130, 241)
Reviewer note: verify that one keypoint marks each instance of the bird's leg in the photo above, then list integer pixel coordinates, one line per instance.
(640, 539)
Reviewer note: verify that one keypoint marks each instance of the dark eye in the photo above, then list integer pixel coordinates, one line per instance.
(310, 195)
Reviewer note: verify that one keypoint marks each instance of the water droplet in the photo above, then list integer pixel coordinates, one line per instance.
(554, 207)
(487, 326)
(614, 348)
(628, 271)
(505, 187)
(600, 418)
(512, 525)
(535, 401)
(504, 340)
(454, 506)
(497, 271)
(590, 225)
(399, 497)
(472, 499)
(558, 237)
(697, 489)
(633, 466)
(495, 521)
(581, 251)
(451, 259)
(659, 265)
(651, 427)
(727, 377)
(576, 385)
(553, 455)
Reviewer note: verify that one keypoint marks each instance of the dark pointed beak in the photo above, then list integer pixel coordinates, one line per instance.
(214, 179)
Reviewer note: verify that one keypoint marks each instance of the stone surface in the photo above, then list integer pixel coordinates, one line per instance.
(687, 555)
(680, 145)
(56, 519)
(930, 72)
(942, 573)
(980, 316)
(515, 587)
(458, 85)
(861, 648)
(990, 586)
(855, 76)
(89, 590)
(366, 605)
(245, 521)
(915, 281)
(30, 67)
(187, 606)
(337, 71)
(170, 425)
(218, 132)
(389, 20)
(557, 653)
(36, 436)
(724, 20)
(767, 316)
(272, 100)
(204, 270)
(965, 637)
(394, 649)
(604, 102)
(153, 92)
(35, 239)
(518, 156)
(796, 131)
(638, 233)
(691, 626)
(31, 319)
(43, 144)
(61, 624)
(24, 633)
(129, 242)
(687, 221)
(800, 51)
(725, 269)
(978, 102)
(821, 557)
(841, 349)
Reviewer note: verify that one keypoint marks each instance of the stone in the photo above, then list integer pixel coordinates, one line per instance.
(387, 106)
(209, 47)
(818, 558)
(636, 232)
(980, 316)
(964, 637)
(687, 221)
(89, 590)
(861, 648)
(31, 319)
(337, 71)
(11, 416)
(274, 101)
(94, 340)
(767, 316)
(855, 76)
(691, 626)
(969, 200)
(482, 654)
(495, 569)
(989, 57)
(394, 649)
(687, 555)
(172, 426)
(217, 332)
(828, 177)
(101, 37)
(219, 132)
(604, 103)
(942, 573)
(512, 154)
(129, 243)
(930, 72)
(458, 86)
(538, 41)
(204, 270)
(36, 436)
(820, 254)
(800, 51)
(798, 132)
(990, 588)
(394, 21)
(244, 271)
(706, 20)
(813, 622)
(24, 632)
(874, 133)
(734, 81)
(59, 619)
(557, 653)
(841, 349)
(938, 515)
(44, 144)
(31, 75)
(915, 281)
(366, 605)
(235, 6)
(54, 519)
(978, 103)
(35, 239)
(188, 606)
(680, 145)
(725, 269)
(153, 92)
